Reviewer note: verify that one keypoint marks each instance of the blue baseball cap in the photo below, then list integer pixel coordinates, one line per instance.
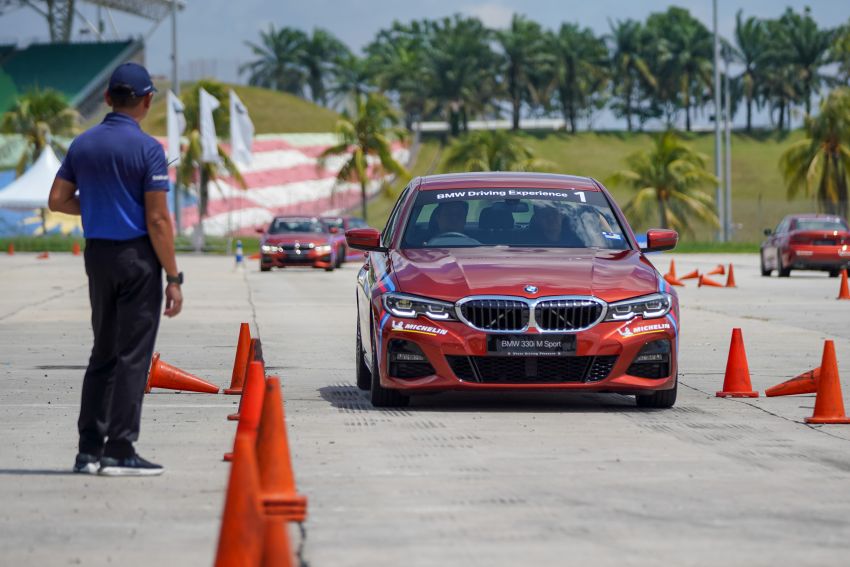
(132, 77)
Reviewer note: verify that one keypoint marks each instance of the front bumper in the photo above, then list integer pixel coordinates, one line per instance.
(459, 360)
(800, 257)
(285, 259)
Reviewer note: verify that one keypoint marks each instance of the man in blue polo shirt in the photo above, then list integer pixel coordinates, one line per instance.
(116, 177)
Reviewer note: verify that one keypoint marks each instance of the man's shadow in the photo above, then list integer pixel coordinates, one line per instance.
(37, 472)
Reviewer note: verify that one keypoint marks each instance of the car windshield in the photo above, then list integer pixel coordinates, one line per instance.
(821, 224)
(334, 222)
(282, 226)
(548, 218)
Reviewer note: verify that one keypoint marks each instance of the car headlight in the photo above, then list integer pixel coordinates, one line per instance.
(648, 306)
(323, 249)
(269, 248)
(411, 306)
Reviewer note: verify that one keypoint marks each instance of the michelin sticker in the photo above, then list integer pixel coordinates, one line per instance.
(643, 329)
(417, 328)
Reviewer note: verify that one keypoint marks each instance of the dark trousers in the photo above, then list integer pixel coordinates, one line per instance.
(125, 289)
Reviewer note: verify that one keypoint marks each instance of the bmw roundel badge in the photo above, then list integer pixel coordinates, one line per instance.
(531, 289)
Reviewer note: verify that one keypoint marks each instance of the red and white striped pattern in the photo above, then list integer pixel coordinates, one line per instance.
(284, 178)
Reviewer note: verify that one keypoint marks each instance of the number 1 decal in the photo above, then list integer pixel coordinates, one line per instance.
(581, 196)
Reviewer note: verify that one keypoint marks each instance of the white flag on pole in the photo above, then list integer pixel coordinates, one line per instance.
(241, 132)
(176, 126)
(209, 143)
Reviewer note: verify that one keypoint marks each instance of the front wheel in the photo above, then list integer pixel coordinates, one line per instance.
(364, 377)
(834, 273)
(660, 399)
(384, 397)
(780, 269)
(765, 272)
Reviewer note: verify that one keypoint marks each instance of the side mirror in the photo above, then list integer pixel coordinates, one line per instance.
(767, 232)
(364, 239)
(658, 239)
(260, 230)
(333, 229)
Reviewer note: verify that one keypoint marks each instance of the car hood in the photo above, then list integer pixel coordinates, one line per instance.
(451, 274)
(296, 237)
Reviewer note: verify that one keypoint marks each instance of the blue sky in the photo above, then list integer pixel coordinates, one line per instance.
(213, 32)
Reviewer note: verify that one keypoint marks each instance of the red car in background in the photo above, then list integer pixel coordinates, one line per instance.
(512, 281)
(299, 241)
(806, 242)
(342, 224)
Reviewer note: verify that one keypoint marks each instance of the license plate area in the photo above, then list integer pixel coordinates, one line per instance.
(531, 345)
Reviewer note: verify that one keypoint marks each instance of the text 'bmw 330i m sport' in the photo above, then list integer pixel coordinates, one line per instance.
(509, 281)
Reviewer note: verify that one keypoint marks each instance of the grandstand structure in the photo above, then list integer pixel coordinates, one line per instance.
(78, 70)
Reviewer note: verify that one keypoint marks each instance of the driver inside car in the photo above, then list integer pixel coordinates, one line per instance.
(449, 217)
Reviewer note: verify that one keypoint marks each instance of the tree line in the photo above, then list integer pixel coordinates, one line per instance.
(456, 68)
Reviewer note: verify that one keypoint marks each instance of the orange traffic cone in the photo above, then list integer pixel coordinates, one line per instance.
(730, 279)
(829, 403)
(11, 250)
(277, 480)
(276, 549)
(240, 364)
(75, 248)
(249, 417)
(163, 375)
(690, 275)
(805, 383)
(43, 256)
(672, 280)
(251, 358)
(718, 271)
(736, 383)
(843, 292)
(707, 281)
(254, 256)
(240, 541)
(672, 271)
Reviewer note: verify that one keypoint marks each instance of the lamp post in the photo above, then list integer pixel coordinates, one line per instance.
(175, 87)
(718, 171)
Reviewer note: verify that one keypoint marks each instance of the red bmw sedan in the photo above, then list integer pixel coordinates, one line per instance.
(806, 242)
(509, 281)
(299, 241)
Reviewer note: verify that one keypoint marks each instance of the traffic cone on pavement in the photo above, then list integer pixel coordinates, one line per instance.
(252, 403)
(730, 279)
(11, 250)
(672, 280)
(277, 480)
(43, 256)
(690, 275)
(805, 383)
(276, 549)
(707, 281)
(672, 271)
(829, 403)
(240, 540)
(163, 375)
(843, 292)
(717, 271)
(75, 248)
(736, 383)
(240, 363)
(251, 358)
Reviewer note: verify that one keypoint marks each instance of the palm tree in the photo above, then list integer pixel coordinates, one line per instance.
(191, 169)
(808, 48)
(367, 134)
(524, 54)
(841, 53)
(319, 54)
(352, 78)
(279, 64)
(750, 45)
(819, 165)
(492, 150)
(629, 67)
(667, 180)
(580, 71)
(39, 116)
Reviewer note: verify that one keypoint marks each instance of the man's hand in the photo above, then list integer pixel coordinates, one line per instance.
(173, 300)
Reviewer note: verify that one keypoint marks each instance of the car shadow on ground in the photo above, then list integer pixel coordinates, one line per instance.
(37, 472)
(345, 396)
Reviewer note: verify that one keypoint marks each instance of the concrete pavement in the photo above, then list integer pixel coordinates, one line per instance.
(455, 479)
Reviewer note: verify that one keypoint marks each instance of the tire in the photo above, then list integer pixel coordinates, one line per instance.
(660, 399)
(364, 377)
(782, 271)
(764, 271)
(265, 268)
(340, 257)
(384, 397)
(834, 273)
(330, 269)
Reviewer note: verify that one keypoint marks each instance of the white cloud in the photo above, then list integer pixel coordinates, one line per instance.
(493, 15)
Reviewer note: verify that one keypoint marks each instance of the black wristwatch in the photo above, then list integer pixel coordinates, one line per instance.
(178, 279)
